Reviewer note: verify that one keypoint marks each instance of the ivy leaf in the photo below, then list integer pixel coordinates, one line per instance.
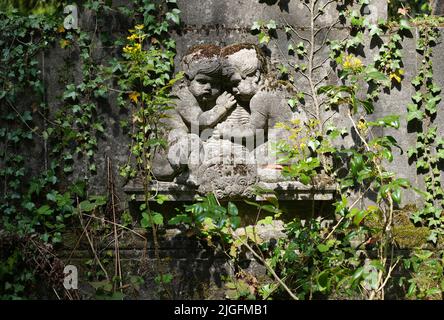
(404, 25)
(417, 97)
(375, 30)
(416, 217)
(70, 92)
(263, 38)
(433, 237)
(292, 102)
(256, 26)
(414, 113)
(431, 105)
(440, 154)
(435, 89)
(271, 25)
(174, 16)
(416, 81)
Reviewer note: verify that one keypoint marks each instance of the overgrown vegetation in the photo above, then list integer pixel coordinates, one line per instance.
(354, 257)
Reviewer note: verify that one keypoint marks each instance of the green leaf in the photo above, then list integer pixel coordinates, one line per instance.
(98, 200)
(180, 218)
(323, 280)
(157, 218)
(174, 16)
(375, 75)
(323, 248)
(70, 92)
(161, 198)
(388, 121)
(417, 97)
(375, 30)
(303, 178)
(433, 237)
(404, 25)
(235, 222)
(367, 105)
(263, 38)
(165, 278)
(86, 206)
(232, 209)
(271, 25)
(359, 216)
(256, 26)
(396, 195)
(414, 113)
(356, 164)
(266, 221)
(44, 210)
(292, 102)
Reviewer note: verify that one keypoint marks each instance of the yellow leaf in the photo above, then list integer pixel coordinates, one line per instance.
(396, 75)
(64, 43)
(134, 96)
(233, 251)
(132, 37)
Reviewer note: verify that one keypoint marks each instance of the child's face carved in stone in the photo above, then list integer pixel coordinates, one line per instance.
(245, 86)
(246, 75)
(204, 87)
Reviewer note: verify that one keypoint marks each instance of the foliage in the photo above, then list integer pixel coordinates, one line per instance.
(427, 281)
(26, 7)
(352, 258)
(145, 79)
(415, 7)
(428, 152)
(42, 202)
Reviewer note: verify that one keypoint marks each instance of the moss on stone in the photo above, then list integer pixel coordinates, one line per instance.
(405, 233)
(204, 51)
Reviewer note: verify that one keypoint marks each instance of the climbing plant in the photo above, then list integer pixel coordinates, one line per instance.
(353, 257)
(39, 204)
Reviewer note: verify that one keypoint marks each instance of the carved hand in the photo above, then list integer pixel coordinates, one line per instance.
(226, 100)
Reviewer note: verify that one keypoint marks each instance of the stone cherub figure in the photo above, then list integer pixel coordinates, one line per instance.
(246, 68)
(200, 105)
(222, 159)
(239, 152)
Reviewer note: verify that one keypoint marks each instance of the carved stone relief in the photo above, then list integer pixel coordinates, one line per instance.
(221, 131)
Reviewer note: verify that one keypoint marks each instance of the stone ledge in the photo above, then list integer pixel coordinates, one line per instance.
(286, 190)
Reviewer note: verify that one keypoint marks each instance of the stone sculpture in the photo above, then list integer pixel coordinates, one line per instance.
(221, 130)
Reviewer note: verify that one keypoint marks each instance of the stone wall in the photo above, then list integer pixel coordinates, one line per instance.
(222, 23)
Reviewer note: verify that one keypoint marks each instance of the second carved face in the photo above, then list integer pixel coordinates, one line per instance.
(244, 70)
(239, 67)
